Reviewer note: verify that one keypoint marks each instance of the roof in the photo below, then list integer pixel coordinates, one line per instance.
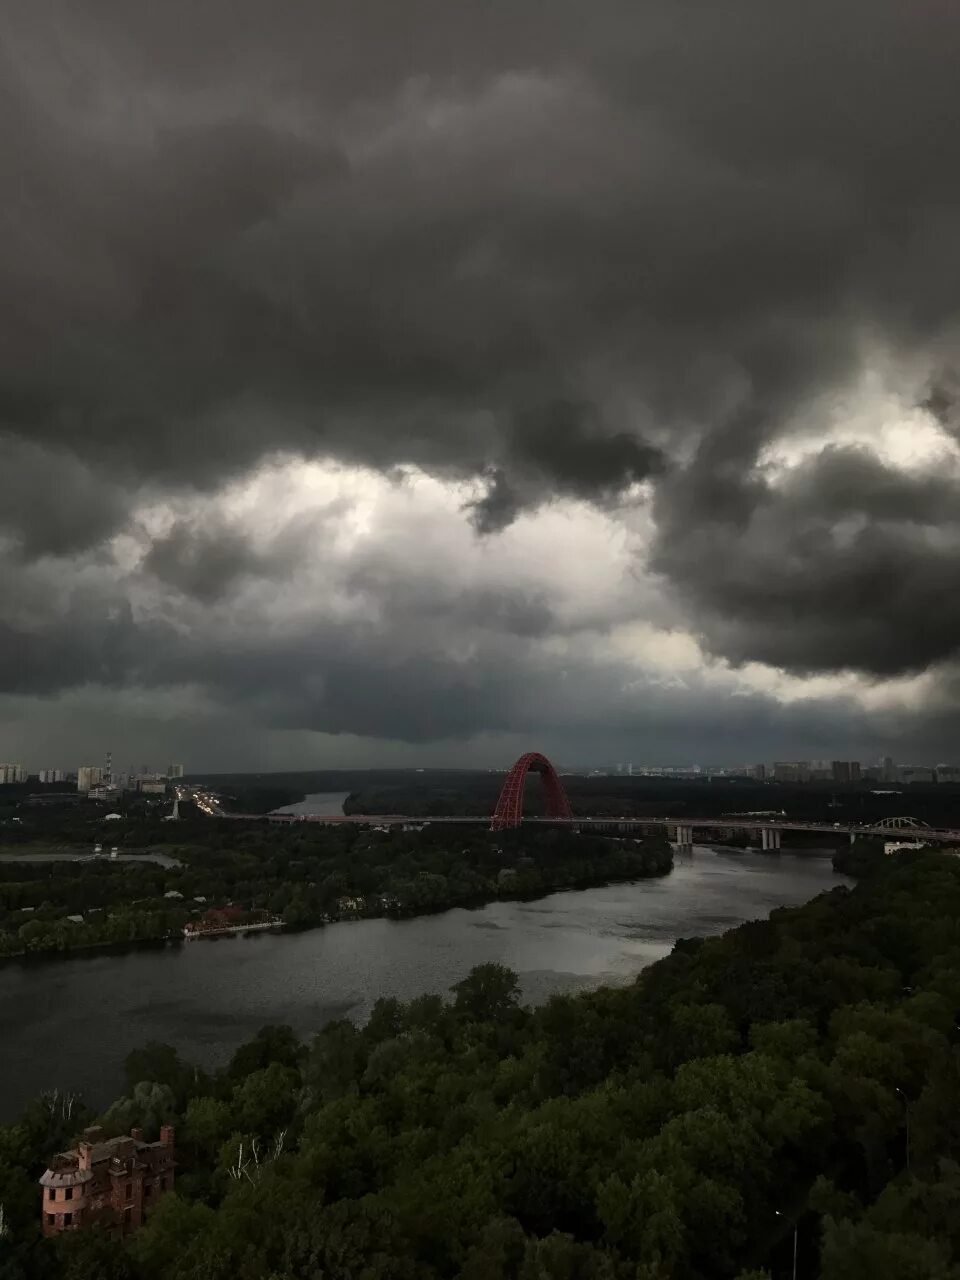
(123, 1148)
(65, 1177)
(113, 1147)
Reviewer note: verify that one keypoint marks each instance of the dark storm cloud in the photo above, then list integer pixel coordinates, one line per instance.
(209, 560)
(845, 563)
(51, 503)
(79, 645)
(386, 684)
(556, 252)
(233, 234)
(498, 507)
(559, 450)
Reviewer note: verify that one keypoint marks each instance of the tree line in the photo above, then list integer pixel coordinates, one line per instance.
(305, 874)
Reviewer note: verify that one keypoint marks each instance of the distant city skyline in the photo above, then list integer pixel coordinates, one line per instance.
(884, 767)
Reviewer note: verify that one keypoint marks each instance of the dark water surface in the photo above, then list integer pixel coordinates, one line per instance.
(71, 1022)
(327, 803)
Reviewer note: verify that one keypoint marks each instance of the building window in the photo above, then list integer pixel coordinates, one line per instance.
(146, 1191)
(129, 1190)
(126, 1215)
(50, 1219)
(163, 1184)
(68, 1194)
(51, 1194)
(68, 1219)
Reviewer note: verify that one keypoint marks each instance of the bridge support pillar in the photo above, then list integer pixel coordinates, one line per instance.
(684, 837)
(769, 838)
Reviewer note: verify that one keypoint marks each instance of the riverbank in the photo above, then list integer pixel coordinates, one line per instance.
(78, 855)
(305, 879)
(348, 913)
(69, 1020)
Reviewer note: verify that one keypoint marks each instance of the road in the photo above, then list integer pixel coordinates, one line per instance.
(208, 803)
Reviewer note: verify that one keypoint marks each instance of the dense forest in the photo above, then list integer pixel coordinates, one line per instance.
(795, 1075)
(304, 874)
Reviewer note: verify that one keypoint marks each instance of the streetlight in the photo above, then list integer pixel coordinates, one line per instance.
(796, 1228)
(906, 1115)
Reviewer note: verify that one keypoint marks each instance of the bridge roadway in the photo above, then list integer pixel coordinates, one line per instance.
(685, 825)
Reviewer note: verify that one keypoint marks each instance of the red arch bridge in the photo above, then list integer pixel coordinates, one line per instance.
(509, 813)
(509, 810)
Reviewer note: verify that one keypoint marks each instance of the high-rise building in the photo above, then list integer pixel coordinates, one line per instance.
(11, 773)
(174, 770)
(51, 775)
(150, 783)
(88, 777)
(916, 773)
(791, 770)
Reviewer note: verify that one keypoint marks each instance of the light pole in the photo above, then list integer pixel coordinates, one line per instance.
(906, 1116)
(796, 1228)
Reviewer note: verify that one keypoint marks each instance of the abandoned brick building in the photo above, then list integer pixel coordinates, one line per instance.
(113, 1181)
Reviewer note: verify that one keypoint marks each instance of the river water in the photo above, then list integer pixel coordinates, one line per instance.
(328, 804)
(70, 1022)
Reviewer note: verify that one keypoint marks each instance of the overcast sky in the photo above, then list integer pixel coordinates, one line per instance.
(422, 382)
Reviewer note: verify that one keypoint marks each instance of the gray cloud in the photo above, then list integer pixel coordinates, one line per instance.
(51, 503)
(494, 217)
(209, 560)
(847, 563)
(554, 257)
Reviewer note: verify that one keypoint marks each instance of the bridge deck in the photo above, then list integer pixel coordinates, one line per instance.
(628, 824)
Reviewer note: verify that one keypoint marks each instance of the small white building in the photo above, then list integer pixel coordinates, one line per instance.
(895, 846)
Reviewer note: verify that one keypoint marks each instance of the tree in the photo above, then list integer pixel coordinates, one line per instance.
(270, 1044)
(207, 1125)
(700, 1031)
(560, 1257)
(159, 1063)
(858, 1251)
(83, 1254)
(498, 1253)
(149, 1106)
(336, 1060)
(489, 993)
(266, 1100)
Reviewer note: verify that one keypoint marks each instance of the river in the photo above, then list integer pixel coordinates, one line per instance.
(70, 1022)
(327, 804)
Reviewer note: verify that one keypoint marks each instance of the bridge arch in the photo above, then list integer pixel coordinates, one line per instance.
(898, 824)
(509, 810)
